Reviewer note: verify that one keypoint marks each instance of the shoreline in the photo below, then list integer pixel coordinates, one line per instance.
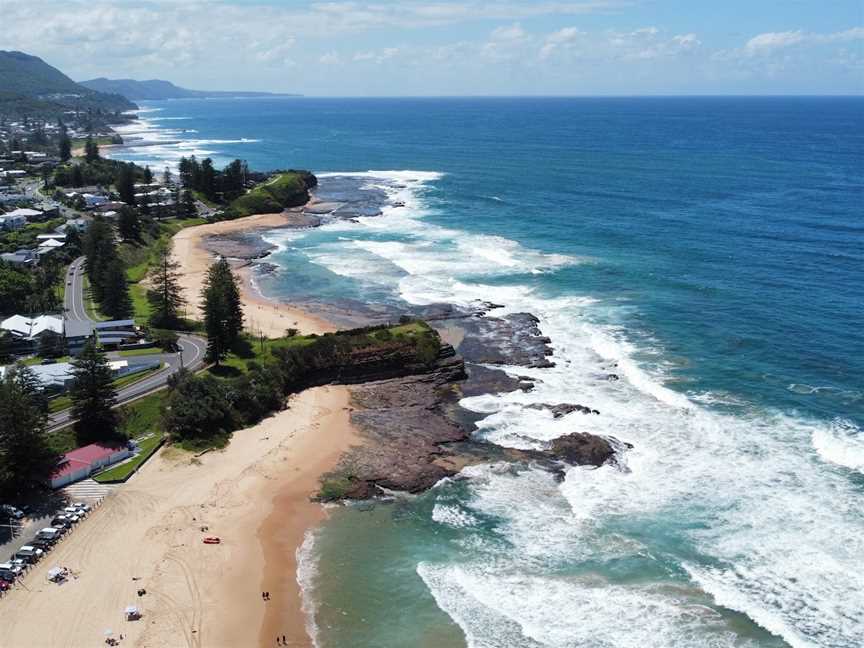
(263, 316)
(148, 534)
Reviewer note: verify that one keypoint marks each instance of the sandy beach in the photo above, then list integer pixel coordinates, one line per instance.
(147, 534)
(262, 316)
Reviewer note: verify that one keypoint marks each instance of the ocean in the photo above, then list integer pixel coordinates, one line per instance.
(710, 251)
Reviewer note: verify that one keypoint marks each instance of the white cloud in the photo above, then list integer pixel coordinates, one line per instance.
(330, 58)
(510, 33)
(376, 56)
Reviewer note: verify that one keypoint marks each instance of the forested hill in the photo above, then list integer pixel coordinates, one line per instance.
(158, 89)
(28, 85)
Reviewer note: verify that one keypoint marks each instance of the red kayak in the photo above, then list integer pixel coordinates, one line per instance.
(212, 540)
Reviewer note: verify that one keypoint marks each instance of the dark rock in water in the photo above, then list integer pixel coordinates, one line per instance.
(485, 380)
(514, 339)
(563, 409)
(612, 377)
(582, 449)
(239, 245)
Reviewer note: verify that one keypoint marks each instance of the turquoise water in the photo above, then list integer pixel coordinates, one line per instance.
(711, 249)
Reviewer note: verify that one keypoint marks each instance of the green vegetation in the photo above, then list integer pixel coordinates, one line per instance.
(122, 472)
(64, 401)
(27, 80)
(223, 310)
(93, 396)
(203, 410)
(290, 189)
(141, 352)
(26, 459)
(26, 236)
(89, 305)
(106, 273)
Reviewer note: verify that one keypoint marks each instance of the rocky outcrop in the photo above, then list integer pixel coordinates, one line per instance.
(563, 409)
(514, 339)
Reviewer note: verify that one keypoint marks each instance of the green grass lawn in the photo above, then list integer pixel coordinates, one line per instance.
(122, 472)
(141, 352)
(60, 403)
(89, 305)
(139, 418)
(142, 256)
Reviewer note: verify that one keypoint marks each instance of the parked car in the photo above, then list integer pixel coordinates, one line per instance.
(42, 543)
(29, 554)
(74, 511)
(83, 506)
(11, 568)
(8, 509)
(51, 534)
(62, 522)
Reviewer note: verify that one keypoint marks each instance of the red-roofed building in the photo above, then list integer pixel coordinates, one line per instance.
(83, 462)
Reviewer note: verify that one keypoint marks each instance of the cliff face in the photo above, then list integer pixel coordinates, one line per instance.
(416, 433)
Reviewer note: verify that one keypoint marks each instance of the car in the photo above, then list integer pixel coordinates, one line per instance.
(41, 543)
(8, 509)
(82, 505)
(12, 568)
(61, 524)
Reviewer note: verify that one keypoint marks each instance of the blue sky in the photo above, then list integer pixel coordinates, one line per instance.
(445, 47)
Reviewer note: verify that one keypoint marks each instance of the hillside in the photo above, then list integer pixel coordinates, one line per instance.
(289, 189)
(30, 86)
(158, 89)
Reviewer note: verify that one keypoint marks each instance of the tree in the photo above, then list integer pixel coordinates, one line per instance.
(91, 150)
(100, 251)
(166, 177)
(208, 179)
(93, 396)
(223, 312)
(77, 178)
(198, 410)
(51, 345)
(148, 175)
(25, 457)
(166, 298)
(125, 183)
(188, 207)
(115, 302)
(64, 146)
(128, 224)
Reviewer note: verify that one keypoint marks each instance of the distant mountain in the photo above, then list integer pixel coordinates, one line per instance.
(28, 85)
(157, 89)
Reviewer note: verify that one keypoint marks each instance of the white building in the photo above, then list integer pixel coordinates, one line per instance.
(30, 328)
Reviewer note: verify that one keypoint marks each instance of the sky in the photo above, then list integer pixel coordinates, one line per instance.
(445, 47)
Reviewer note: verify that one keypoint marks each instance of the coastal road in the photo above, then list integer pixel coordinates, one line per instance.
(190, 355)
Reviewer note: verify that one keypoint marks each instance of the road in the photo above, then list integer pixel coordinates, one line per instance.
(190, 356)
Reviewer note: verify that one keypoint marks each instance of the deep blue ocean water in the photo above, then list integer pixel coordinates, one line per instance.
(710, 249)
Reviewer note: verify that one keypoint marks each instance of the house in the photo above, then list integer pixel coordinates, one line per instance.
(12, 221)
(111, 333)
(52, 236)
(80, 224)
(50, 244)
(21, 257)
(28, 214)
(32, 328)
(111, 205)
(80, 463)
(94, 200)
